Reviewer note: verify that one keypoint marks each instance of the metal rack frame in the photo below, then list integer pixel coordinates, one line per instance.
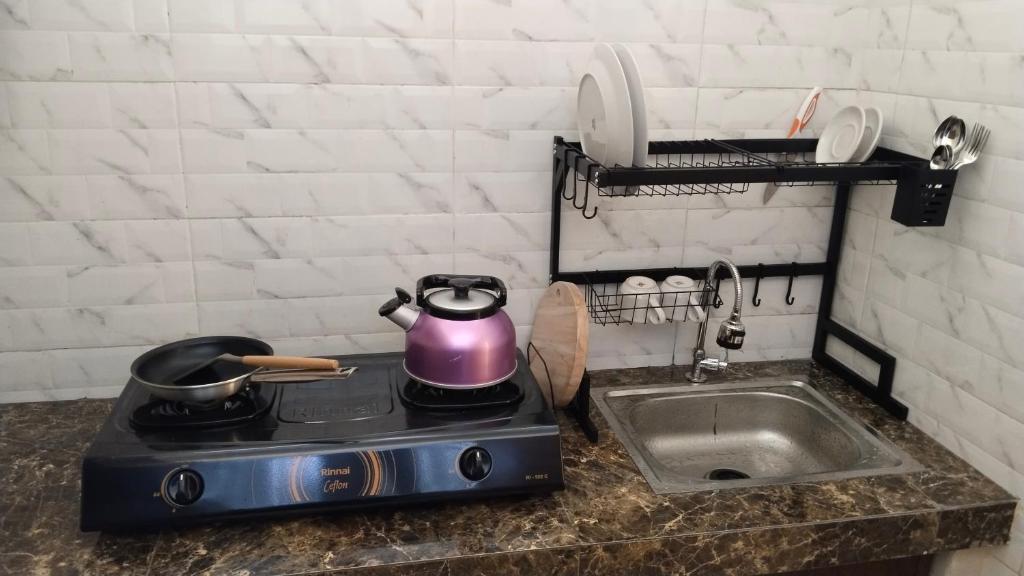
(749, 163)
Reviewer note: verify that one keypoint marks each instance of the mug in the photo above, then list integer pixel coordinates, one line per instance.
(639, 296)
(672, 285)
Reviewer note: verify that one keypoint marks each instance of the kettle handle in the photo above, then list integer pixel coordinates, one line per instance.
(462, 284)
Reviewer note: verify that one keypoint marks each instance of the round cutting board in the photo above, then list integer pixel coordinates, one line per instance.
(561, 337)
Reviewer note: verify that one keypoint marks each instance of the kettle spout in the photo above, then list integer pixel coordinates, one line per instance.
(396, 311)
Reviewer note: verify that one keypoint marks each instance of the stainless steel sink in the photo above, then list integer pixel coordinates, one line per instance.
(701, 437)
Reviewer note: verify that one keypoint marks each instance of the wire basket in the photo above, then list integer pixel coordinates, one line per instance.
(787, 161)
(608, 304)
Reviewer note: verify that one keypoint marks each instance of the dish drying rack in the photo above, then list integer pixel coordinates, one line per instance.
(698, 167)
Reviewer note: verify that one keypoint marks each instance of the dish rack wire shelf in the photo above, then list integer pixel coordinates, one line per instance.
(677, 168)
(607, 304)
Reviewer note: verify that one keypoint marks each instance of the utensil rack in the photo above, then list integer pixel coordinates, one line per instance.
(726, 167)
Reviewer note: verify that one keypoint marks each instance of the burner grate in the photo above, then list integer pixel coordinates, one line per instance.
(241, 408)
(419, 395)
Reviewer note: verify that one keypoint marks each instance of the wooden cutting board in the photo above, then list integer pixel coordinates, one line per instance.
(561, 337)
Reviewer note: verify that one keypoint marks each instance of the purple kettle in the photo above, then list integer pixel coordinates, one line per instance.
(460, 337)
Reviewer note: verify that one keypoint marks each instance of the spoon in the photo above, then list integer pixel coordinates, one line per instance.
(942, 157)
(951, 132)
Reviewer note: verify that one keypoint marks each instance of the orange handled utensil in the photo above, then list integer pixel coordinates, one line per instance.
(804, 114)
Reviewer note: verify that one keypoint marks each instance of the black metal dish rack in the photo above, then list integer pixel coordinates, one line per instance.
(678, 168)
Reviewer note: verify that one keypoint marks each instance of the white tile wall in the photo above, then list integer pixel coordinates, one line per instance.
(275, 167)
(248, 155)
(945, 301)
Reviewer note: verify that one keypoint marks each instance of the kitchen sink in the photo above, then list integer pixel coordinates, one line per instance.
(702, 437)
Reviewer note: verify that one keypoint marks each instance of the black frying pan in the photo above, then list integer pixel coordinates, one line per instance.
(160, 368)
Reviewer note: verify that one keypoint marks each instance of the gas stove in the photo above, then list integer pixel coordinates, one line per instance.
(372, 439)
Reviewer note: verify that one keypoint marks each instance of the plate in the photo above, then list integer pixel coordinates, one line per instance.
(839, 140)
(872, 133)
(603, 113)
(635, 84)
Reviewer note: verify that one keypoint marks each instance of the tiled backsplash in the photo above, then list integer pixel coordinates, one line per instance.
(170, 168)
(947, 301)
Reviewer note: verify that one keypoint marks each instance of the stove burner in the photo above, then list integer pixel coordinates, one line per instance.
(419, 395)
(241, 408)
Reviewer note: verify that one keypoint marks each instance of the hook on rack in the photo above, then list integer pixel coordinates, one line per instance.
(757, 285)
(586, 193)
(717, 302)
(789, 289)
(575, 193)
(566, 195)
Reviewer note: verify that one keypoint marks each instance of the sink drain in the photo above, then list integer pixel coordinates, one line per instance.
(726, 474)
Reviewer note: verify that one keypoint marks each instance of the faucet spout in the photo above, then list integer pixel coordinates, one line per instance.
(730, 333)
(737, 305)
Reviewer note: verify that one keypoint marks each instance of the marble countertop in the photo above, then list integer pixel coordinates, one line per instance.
(606, 521)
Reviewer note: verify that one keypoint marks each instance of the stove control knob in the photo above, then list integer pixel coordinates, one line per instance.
(182, 487)
(475, 464)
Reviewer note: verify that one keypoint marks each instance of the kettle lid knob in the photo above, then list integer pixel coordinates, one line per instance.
(461, 287)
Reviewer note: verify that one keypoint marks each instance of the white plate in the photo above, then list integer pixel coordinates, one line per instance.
(872, 132)
(603, 114)
(840, 139)
(636, 103)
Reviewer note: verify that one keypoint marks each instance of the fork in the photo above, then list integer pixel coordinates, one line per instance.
(975, 144)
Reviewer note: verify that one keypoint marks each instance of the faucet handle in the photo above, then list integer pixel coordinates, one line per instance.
(717, 364)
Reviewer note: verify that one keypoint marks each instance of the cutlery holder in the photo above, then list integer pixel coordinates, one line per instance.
(923, 195)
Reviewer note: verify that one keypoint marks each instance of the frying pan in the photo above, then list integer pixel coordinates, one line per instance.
(161, 369)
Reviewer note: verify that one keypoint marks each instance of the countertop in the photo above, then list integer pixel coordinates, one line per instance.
(606, 521)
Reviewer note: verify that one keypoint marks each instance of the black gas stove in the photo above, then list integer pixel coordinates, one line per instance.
(374, 438)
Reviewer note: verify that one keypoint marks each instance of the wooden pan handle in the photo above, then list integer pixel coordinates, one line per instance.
(299, 362)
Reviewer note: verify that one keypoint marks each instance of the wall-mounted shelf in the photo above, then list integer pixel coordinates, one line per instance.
(727, 167)
(677, 168)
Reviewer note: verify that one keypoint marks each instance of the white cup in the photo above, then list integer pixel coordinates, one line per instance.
(640, 299)
(669, 296)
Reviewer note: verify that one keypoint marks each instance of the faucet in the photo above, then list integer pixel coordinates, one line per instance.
(730, 333)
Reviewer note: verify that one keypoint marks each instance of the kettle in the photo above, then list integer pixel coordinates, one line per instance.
(459, 337)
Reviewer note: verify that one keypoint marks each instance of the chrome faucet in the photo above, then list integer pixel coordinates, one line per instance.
(730, 333)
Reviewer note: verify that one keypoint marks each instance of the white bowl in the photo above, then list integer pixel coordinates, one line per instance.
(839, 140)
(872, 133)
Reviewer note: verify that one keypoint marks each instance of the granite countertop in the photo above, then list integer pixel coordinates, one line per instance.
(606, 521)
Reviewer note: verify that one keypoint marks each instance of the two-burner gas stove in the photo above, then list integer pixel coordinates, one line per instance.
(372, 439)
